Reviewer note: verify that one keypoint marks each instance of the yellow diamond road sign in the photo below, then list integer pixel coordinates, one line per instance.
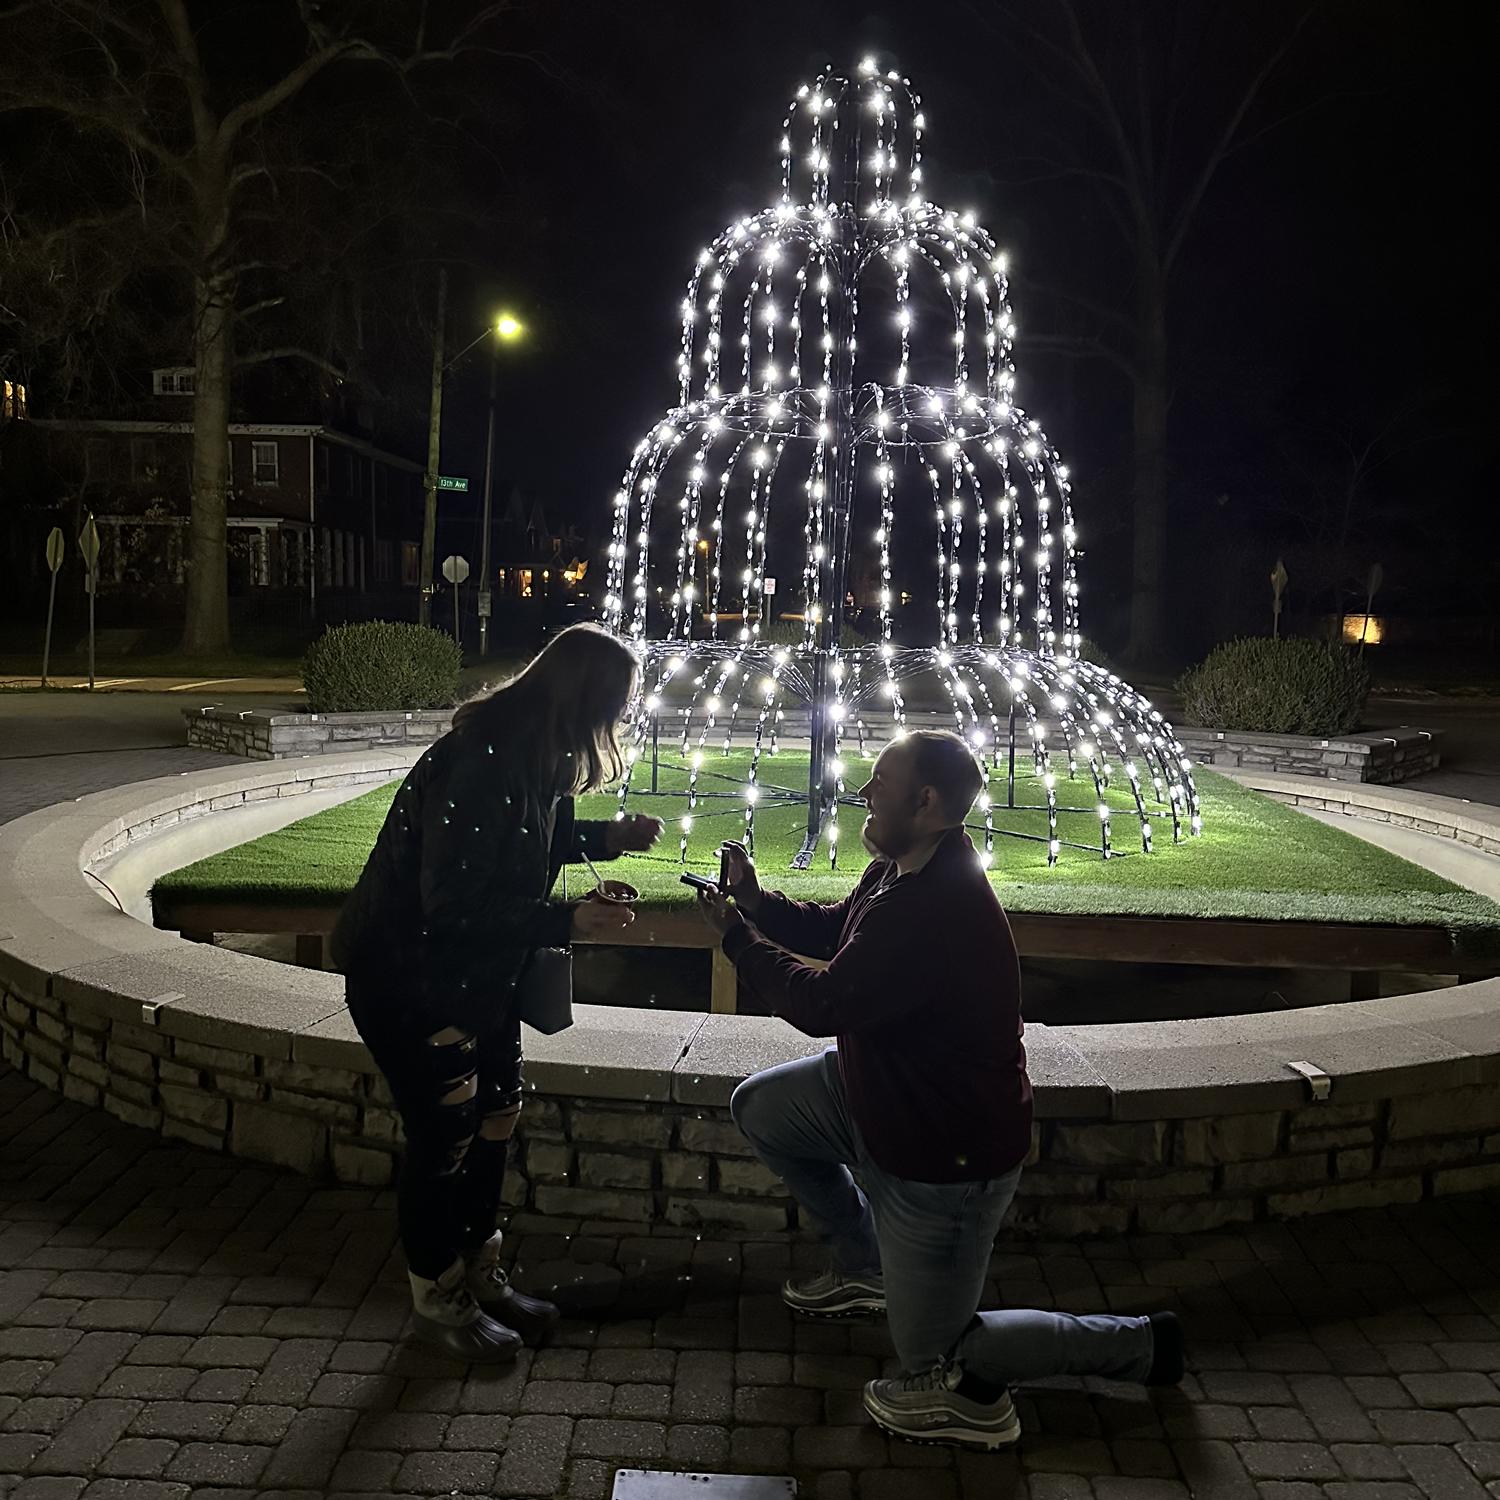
(88, 543)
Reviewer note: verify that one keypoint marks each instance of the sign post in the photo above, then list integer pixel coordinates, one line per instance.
(56, 546)
(453, 482)
(455, 570)
(88, 544)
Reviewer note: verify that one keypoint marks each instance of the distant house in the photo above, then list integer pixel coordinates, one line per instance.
(322, 525)
(531, 560)
(12, 401)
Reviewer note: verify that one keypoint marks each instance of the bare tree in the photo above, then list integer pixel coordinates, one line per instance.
(1324, 484)
(1144, 121)
(179, 113)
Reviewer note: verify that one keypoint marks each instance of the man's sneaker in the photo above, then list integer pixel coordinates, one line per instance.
(928, 1409)
(832, 1294)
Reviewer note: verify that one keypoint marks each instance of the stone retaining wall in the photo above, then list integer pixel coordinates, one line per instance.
(1150, 1126)
(1382, 757)
(687, 1164)
(1442, 817)
(262, 736)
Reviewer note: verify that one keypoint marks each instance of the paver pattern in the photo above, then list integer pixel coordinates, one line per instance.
(174, 1323)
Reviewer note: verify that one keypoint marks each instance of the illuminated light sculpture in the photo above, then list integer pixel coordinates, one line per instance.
(792, 437)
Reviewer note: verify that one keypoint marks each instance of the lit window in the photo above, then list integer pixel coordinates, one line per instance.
(1364, 630)
(175, 382)
(265, 463)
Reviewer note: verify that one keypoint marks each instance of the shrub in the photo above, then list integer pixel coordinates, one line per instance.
(1090, 651)
(790, 633)
(379, 665)
(1276, 687)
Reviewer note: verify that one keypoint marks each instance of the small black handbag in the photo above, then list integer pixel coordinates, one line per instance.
(544, 990)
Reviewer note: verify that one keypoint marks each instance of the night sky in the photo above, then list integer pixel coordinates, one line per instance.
(1336, 291)
(1336, 283)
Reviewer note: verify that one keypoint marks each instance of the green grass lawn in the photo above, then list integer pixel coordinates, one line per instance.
(1255, 858)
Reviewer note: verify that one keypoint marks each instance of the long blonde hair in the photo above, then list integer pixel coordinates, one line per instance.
(566, 705)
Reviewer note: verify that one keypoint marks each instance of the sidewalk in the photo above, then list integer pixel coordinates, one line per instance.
(116, 683)
(56, 746)
(175, 1324)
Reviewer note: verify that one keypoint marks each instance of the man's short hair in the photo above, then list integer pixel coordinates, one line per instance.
(942, 760)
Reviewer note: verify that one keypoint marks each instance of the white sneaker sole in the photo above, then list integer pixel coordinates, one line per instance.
(953, 1434)
(850, 1305)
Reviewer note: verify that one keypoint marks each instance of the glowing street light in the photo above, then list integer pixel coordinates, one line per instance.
(508, 329)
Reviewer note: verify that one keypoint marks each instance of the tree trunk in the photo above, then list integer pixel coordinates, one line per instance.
(206, 623)
(1148, 635)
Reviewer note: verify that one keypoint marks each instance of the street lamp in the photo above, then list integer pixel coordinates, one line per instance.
(507, 330)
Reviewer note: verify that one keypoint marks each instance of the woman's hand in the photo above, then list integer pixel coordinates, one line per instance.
(633, 834)
(738, 875)
(598, 921)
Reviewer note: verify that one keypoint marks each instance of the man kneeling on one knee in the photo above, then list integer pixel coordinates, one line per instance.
(924, 1100)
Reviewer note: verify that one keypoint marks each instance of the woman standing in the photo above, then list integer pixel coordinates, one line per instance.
(451, 905)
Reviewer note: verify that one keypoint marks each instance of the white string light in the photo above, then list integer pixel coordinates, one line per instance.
(782, 286)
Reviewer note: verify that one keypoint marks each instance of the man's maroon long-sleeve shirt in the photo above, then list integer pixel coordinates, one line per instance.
(923, 993)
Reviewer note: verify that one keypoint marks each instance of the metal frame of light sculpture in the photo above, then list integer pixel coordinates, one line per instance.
(758, 386)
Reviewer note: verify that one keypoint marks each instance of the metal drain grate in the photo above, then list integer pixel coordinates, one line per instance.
(655, 1484)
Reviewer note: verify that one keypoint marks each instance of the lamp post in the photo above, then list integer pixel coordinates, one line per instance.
(507, 329)
(430, 475)
(504, 327)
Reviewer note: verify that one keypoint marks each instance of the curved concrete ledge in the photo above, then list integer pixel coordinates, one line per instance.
(1153, 1125)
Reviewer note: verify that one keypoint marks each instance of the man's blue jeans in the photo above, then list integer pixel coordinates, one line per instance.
(931, 1240)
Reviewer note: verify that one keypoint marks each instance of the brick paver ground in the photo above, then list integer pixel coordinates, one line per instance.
(175, 1324)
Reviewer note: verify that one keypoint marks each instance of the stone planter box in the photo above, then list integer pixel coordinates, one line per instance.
(1381, 756)
(265, 736)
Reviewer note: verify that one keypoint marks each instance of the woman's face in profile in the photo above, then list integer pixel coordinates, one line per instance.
(632, 688)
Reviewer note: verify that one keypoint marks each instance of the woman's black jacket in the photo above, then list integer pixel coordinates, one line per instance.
(453, 897)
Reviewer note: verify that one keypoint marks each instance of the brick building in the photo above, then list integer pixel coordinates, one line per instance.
(323, 524)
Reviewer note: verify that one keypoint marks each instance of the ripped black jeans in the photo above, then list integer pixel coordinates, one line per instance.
(458, 1092)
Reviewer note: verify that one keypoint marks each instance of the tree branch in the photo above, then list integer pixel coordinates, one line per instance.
(80, 112)
(261, 306)
(1101, 310)
(175, 14)
(1082, 348)
(286, 87)
(1183, 219)
(1129, 158)
(290, 351)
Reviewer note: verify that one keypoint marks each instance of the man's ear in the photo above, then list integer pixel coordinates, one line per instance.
(927, 800)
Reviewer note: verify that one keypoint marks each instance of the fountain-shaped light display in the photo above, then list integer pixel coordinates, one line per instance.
(845, 406)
